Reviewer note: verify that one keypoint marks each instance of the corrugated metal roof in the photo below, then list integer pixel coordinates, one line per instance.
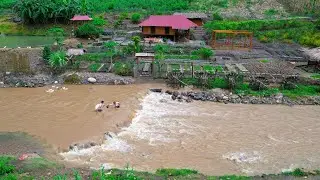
(144, 54)
(173, 21)
(81, 18)
(193, 15)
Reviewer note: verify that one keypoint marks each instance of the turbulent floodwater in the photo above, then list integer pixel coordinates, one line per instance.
(212, 138)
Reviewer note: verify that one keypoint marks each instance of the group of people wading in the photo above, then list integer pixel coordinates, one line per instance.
(99, 107)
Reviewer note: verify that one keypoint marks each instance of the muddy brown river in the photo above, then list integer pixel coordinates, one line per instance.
(154, 132)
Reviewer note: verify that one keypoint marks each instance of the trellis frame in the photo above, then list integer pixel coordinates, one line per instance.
(231, 35)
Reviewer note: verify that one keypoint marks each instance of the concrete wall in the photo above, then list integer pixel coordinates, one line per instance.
(22, 60)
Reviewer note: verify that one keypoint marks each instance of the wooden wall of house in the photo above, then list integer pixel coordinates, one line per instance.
(158, 31)
(199, 22)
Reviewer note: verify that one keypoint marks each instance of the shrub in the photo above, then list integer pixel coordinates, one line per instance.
(46, 53)
(97, 21)
(88, 30)
(204, 53)
(135, 18)
(217, 17)
(57, 33)
(257, 85)
(123, 69)
(175, 172)
(57, 60)
(72, 79)
(161, 48)
(5, 166)
(270, 12)
(218, 83)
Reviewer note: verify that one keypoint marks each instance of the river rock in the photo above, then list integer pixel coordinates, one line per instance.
(279, 98)
(173, 97)
(92, 80)
(163, 101)
(176, 93)
(156, 90)
(189, 100)
(168, 92)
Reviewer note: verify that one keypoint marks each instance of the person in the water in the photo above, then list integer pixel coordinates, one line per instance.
(99, 106)
(114, 104)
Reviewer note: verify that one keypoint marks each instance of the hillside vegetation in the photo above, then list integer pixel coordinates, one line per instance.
(229, 8)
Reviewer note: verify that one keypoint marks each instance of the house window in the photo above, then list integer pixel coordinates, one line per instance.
(153, 30)
(167, 30)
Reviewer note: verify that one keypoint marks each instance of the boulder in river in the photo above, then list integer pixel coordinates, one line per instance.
(156, 90)
(92, 80)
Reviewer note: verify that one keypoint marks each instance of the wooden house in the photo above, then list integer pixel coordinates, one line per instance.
(165, 26)
(197, 18)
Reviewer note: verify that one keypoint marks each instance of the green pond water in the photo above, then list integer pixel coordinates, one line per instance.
(25, 41)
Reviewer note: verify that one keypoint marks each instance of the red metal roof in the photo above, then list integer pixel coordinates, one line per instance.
(81, 18)
(173, 21)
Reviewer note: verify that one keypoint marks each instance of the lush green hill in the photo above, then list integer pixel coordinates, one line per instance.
(229, 8)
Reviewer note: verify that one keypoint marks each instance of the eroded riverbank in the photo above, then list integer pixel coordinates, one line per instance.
(213, 138)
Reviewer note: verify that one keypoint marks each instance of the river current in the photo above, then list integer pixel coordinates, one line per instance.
(152, 131)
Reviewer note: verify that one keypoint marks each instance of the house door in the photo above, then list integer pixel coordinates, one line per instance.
(153, 30)
(167, 30)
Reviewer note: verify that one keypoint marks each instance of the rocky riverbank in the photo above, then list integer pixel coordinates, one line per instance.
(40, 80)
(222, 96)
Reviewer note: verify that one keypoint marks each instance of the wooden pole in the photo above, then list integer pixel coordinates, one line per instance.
(192, 69)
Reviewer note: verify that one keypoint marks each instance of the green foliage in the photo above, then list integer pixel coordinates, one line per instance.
(92, 57)
(270, 12)
(216, 16)
(42, 11)
(152, 6)
(296, 172)
(175, 172)
(161, 48)
(218, 83)
(302, 90)
(204, 53)
(46, 53)
(310, 39)
(76, 175)
(98, 21)
(315, 76)
(136, 43)
(123, 69)
(173, 56)
(38, 164)
(72, 79)
(256, 25)
(58, 34)
(94, 67)
(57, 60)
(5, 165)
(264, 61)
(136, 17)
(88, 30)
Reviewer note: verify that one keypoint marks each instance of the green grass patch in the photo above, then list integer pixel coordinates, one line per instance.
(175, 172)
(93, 57)
(297, 173)
(173, 56)
(229, 177)
(315, 76)
(175, 67)
(38, 164)
(218, 83)
(5, 165)
(94, 67)
(264, 61)
(302, 91)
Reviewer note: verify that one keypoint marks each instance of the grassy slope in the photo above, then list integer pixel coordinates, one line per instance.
(39, 168)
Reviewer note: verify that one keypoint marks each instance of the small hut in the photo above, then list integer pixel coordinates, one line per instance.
(79, 20)
(313, 55)
(166, 26)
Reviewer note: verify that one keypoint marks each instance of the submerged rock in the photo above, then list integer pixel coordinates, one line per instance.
(156, 90)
